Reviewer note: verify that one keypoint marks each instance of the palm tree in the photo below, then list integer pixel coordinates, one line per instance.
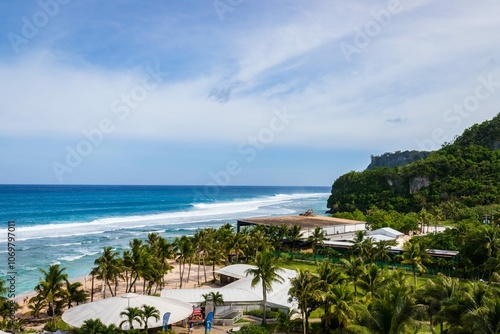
(138, 261)
(372, 278)
(294, 235)
(93, 326)
(281, 233)
(153, 238)
(36, 305)
(50, 288)
(354, 269)
(217, 298)
(329, 276)
(285, 321)
(468, 299)
(258, 242)
(164, 251)
(425, 218)
(435, 292)
(184, 249)
(390, 312)
(305, 288)
(342, 307)
(485, 319)
(414, 256)
(75, 293)
(317, 237)
(149, 312)
(359, 237)
(239, 245)
(382, 250)
(94, 272)
(216, 255)
(131, 314)
(108, 267)
(266, 272)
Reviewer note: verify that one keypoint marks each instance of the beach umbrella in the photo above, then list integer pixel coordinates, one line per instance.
(108, 310)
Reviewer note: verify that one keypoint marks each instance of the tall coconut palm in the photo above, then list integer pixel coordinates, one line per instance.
(305, 289)
(425, 218)
(165, 251)
(217, 298)
(266, 272)
(238, 245)
(469, 298)
(354, 268)
(382, 250)
(434, 293)
(198, 240)
(131, 314)
(358, 248)
(329, 276)
(294, 235)
(108, 268)
(372, 278)
(486, 318)
(317, 237)
(258, 242)
(391, 311)
(137, 262)
(342, 305)
(414, 255)
(216, 255)
(147, 313)
(281, 233)
(50, 287)
(94, 272)
(184, 248)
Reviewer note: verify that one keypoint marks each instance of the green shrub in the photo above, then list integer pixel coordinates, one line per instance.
(253, 329)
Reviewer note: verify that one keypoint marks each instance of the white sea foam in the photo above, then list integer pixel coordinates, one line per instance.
(71, 258)
(199, 212)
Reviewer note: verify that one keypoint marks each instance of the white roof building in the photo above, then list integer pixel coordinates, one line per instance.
(240, 291)
(385, 233)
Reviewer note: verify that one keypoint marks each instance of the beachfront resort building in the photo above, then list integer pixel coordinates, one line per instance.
(238, 294)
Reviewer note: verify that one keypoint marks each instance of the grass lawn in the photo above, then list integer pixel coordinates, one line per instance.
(294, 265)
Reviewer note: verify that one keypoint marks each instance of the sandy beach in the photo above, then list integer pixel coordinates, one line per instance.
(172, 280)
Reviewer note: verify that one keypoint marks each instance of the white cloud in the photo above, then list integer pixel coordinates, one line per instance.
(419, 65)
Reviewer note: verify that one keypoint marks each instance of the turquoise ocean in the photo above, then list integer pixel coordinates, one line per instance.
(70, 224)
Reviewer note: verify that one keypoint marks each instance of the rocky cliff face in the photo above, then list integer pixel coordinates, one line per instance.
(396, 159)
(418, 183)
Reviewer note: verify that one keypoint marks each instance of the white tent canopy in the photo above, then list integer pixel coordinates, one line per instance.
(241, 290)
(108, 310)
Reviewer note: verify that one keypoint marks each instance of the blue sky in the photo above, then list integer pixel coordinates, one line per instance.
(235, 92)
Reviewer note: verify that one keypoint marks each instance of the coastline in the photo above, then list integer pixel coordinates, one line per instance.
(172, 280)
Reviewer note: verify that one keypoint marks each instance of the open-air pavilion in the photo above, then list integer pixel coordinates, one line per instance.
(239, 294)
(108, 310)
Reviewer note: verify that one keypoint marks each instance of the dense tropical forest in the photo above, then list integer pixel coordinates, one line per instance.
(465, 172)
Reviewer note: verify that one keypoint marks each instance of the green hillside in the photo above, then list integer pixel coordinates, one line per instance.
(466, 171)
